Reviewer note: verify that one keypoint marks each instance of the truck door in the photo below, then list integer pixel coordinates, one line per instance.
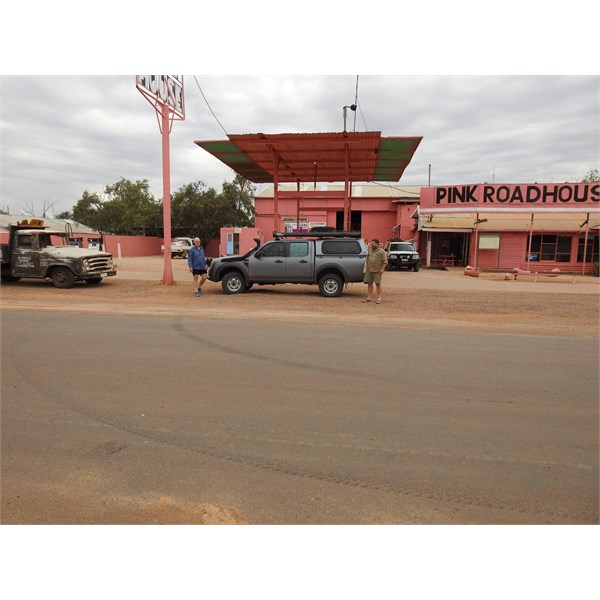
(25, 257)
(268, 263)
(299, 262)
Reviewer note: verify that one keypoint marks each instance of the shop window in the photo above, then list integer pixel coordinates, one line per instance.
(555, 248)
(591, 252)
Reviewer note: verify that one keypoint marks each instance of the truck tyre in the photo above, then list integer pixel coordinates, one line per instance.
(416, 267)
(184, 254)
(62, 277)
(94, 281)
(234, 283)
(7, 277)
(330, 285)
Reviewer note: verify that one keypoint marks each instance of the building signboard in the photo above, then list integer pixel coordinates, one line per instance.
(163, 89)
(516, 196)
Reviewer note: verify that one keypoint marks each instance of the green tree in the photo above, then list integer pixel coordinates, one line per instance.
(88, 209)
(128, 208)
(67, 214)
(195, 211)
(238, 202)
(592, 176)
(131, 209)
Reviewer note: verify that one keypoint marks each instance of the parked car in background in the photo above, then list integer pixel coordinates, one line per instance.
(180, 246)
(402, 255)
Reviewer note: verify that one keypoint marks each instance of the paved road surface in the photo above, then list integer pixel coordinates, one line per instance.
(117, 419)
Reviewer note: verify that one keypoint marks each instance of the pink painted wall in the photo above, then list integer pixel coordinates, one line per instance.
(380, 216)
(132, 245)
(246, 237)
(513, 253)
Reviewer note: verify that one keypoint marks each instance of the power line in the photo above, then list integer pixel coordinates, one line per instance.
(209, 108)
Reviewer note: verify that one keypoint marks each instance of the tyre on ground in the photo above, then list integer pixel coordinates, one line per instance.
(330, 285)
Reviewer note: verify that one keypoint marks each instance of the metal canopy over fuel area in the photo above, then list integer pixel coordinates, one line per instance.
(315, 157)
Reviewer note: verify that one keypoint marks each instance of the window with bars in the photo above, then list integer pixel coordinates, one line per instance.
(555, 248)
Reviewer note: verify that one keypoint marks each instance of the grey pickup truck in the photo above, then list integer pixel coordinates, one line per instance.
(328, 259)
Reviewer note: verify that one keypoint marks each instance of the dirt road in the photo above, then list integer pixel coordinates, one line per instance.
(424, 300)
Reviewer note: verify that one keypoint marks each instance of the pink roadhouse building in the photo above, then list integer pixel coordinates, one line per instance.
(485, 226)
(503, 226)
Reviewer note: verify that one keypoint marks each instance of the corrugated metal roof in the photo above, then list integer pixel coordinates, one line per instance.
(315, 157)
(58, 224)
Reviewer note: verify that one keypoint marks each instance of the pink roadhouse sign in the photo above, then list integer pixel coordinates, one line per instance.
(163, 90)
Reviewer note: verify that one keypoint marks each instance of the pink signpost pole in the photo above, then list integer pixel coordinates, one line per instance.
(166, 164)
(165, 93)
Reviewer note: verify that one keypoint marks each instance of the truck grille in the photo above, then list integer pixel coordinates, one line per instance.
(99, 264)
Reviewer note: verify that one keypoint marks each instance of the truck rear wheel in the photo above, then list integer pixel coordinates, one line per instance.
(234, 283)
(330, 285)
(62, 277)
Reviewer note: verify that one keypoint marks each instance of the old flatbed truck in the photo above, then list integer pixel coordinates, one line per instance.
(34, 251)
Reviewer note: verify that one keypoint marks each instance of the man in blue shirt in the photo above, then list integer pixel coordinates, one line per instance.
(197, 265)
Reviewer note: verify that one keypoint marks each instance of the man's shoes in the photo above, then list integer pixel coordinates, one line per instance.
(197, 293)
(199, 290)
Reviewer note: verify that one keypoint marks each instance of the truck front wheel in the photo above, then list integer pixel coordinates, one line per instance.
(330, 286)
(62, 277)
(234, 283)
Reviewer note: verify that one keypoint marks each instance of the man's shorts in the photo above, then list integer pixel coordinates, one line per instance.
(198, 271)
(373, 277)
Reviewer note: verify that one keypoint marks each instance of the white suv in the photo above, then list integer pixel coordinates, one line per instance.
(402, 255)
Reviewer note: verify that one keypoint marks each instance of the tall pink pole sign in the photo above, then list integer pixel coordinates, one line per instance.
(165, 93)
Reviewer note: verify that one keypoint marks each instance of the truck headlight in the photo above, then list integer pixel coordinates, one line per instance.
(86, 265)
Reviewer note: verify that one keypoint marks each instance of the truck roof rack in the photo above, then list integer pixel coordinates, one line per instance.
(316, 234)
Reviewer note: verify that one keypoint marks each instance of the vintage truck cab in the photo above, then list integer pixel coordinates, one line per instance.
(35, 251)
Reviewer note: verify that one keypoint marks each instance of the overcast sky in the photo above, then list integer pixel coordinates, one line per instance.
(62, 135)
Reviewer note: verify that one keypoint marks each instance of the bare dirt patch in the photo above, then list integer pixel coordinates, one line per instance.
(427, 299)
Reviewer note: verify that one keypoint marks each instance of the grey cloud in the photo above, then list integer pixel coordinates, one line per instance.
(63, 135)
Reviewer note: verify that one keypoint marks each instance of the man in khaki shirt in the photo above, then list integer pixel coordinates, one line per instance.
(374, 268)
